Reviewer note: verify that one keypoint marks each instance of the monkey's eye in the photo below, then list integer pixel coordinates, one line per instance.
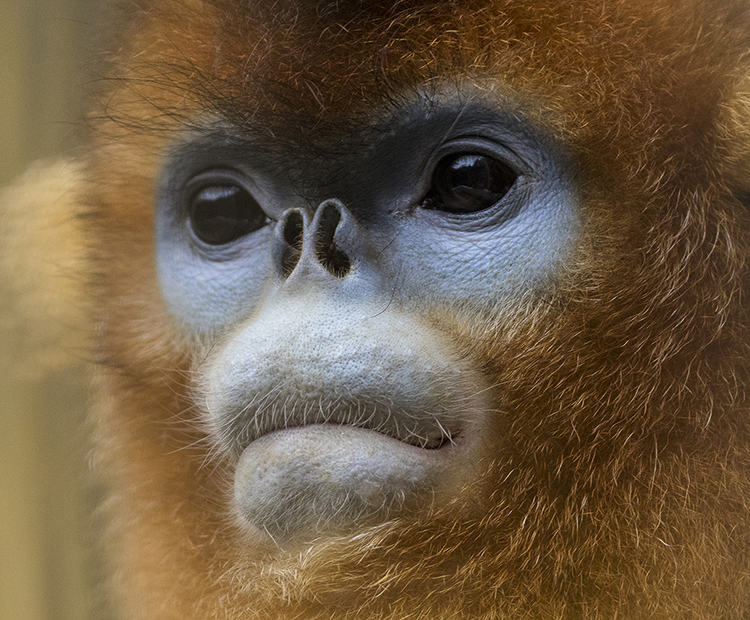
(469, 182)
(222, 213)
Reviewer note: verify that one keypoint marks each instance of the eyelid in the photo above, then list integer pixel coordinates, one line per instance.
(481, 146)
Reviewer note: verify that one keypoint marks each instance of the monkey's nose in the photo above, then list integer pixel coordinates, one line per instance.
(326, 221)
(300, 241)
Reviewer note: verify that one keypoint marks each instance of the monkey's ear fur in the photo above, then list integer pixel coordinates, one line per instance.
(43, 319)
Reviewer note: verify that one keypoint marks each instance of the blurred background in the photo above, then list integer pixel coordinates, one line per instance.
(49, 565)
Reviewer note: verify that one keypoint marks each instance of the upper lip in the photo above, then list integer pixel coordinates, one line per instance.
(241, 428)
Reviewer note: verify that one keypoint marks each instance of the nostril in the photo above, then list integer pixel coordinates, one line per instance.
(326, 251)
(293, 236)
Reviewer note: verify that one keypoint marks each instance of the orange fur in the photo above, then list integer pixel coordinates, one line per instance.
(623, 486)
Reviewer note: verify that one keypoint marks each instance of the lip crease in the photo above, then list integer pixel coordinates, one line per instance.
(424, 443)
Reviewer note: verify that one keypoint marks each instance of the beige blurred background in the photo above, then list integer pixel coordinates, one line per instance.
(48, 564)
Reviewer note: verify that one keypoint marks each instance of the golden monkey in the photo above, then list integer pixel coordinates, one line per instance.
(424, 310)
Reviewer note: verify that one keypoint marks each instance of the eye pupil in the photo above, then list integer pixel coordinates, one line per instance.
(469, 182)
(222, 213)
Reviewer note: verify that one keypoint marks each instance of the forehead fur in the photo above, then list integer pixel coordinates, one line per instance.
(607, 77)
(324, 61)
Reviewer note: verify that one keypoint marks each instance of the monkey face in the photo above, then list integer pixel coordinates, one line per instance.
(335, 381)
(420, 310)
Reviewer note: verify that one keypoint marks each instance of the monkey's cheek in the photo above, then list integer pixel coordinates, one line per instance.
(302, 483)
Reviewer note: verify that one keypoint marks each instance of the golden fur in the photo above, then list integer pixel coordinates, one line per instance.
(42, 269)
(623, 486)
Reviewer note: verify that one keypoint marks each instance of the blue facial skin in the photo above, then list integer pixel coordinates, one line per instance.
(418, 256)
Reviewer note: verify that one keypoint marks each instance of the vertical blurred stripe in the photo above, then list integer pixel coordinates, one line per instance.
(47, 568)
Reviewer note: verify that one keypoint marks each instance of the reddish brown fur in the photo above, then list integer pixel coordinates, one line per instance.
(622, 489)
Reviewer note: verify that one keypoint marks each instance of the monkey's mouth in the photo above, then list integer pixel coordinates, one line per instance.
(424, 431)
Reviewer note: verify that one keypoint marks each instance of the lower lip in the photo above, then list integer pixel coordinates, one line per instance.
(299, 483)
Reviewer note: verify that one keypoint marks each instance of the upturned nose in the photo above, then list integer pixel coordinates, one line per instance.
(302, 244)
